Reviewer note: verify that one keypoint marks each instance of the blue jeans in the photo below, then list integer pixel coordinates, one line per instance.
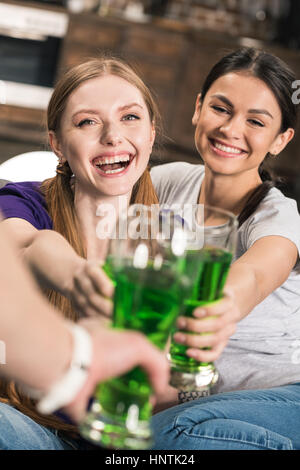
(19, 432)
(241, 420)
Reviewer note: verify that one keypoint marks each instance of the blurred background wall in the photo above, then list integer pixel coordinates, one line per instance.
(172, 44)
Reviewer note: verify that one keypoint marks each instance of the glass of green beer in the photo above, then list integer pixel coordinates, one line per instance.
(207, 264)
(145, 259)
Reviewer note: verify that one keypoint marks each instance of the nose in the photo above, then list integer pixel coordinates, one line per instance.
(110, 135)
(232, 128)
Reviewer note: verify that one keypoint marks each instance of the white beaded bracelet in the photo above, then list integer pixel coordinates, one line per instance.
(65, 390)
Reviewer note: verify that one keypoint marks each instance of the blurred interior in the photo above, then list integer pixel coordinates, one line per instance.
(172, 44)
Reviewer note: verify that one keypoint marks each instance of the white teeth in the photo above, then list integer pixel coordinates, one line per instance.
(224, 148)
(111, 160)
(109, 172)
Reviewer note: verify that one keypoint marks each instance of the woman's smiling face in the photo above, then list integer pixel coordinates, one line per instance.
(106, 135)
(237, 124)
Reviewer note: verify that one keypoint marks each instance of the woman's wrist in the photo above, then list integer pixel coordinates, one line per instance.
(230, 292)
(63, 361)
(67, 386)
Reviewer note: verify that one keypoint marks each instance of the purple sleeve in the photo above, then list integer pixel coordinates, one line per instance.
(25, 201)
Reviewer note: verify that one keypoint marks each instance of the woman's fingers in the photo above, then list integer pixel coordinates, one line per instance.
(218, 309)
(92, 291)
(101, 306)
(207, 355)
(92, 278)
(99, 279)
(210, 318)
(153, 361)
(205, 340)
(206, 324)
(207, 332)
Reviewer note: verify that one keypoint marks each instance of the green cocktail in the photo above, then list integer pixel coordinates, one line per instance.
(146, 272)
(146, 300)
(206, 266)
(209, 267)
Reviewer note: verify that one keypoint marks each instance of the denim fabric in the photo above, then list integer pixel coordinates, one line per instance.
(267, 419)
(19, 432)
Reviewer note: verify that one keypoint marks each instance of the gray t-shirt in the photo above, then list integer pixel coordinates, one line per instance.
(265, 350)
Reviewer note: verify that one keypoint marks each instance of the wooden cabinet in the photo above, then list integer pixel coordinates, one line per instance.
(86, 37)
(173, 60)
(157, 53)
(21, 130)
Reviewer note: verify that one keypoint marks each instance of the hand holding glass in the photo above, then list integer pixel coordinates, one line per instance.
(145, 265)
(207, 267)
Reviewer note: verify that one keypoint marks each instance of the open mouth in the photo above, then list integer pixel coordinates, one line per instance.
(226, 150)
(112, 165)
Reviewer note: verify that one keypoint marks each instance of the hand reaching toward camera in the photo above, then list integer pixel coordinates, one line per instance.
(108, 347)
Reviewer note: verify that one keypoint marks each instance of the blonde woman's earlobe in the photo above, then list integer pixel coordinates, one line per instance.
(55, 146)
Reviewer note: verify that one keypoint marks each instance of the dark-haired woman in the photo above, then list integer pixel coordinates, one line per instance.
(244, 115)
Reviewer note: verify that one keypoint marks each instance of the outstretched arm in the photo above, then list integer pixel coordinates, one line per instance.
(261, 270)
(30, 328)
(57, 266)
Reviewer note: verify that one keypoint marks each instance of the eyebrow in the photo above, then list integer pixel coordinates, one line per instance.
(251, 111)
(93, 111)
(130, 105)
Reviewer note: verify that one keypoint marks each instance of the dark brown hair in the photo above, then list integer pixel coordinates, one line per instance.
(279, 78)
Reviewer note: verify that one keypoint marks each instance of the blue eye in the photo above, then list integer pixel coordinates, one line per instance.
(85, 122)
(130, 117)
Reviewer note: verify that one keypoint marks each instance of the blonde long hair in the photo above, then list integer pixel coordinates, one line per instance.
(60, 198)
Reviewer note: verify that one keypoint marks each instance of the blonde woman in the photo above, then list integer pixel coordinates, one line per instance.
(102, 123)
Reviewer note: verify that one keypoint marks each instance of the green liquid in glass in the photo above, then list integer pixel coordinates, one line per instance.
(209, 267)
(146, 300)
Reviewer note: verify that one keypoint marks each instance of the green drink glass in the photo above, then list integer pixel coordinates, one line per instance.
(207, 265)
(145, 266)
